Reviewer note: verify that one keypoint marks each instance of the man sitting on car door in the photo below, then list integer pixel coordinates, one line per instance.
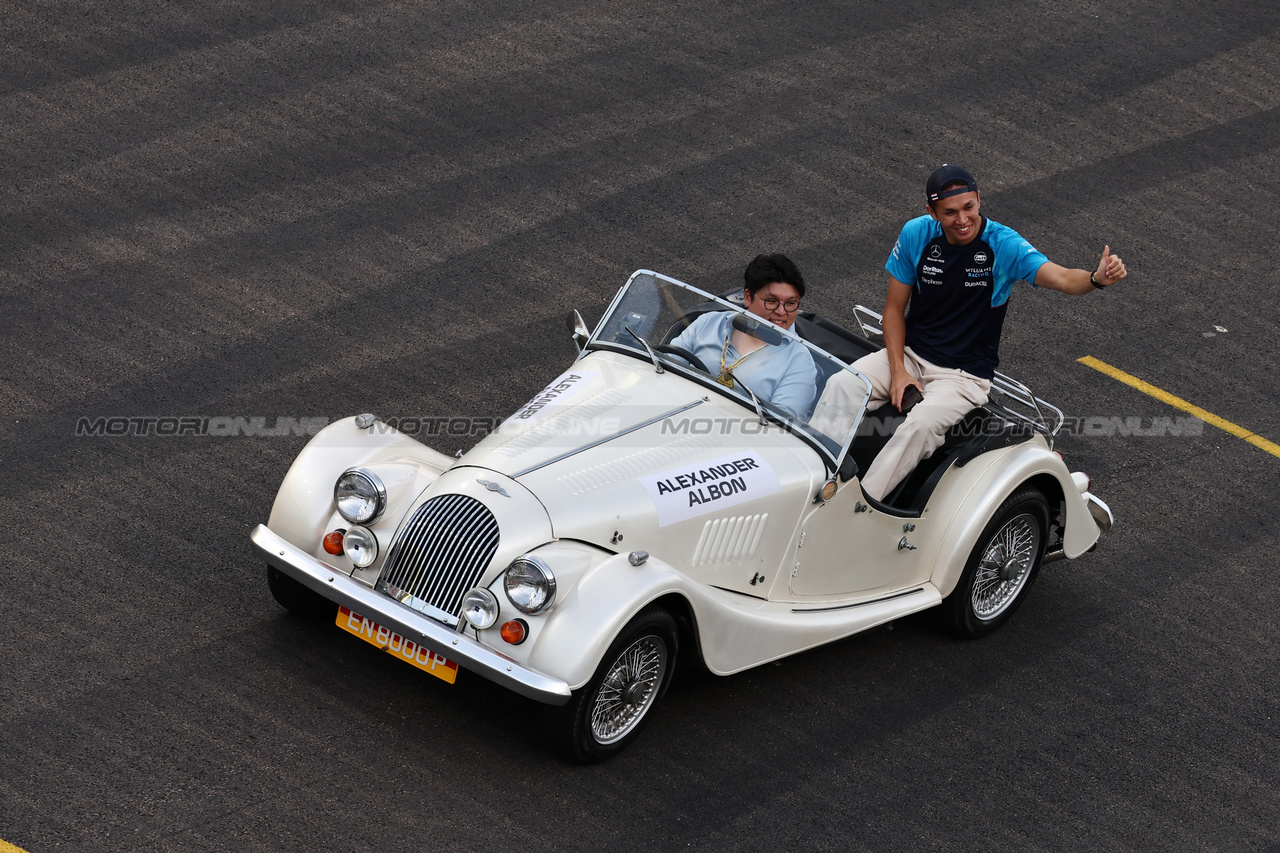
(956, 269)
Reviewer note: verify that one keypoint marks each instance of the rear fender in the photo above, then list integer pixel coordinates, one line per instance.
(1029, 464)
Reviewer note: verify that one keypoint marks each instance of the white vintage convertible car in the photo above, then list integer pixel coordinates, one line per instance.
(637, 510)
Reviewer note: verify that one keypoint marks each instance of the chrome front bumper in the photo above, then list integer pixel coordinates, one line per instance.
(459, 648)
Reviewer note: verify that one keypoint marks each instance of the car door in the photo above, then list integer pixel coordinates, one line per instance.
(846, 548)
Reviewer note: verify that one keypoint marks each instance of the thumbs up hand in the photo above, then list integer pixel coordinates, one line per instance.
(1110, 268)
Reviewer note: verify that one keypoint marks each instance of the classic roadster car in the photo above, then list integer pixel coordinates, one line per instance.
(637, 511)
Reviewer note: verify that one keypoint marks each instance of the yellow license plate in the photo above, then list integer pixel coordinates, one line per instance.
(397, 646)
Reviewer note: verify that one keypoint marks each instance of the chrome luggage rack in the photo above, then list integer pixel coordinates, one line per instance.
(1011, 398)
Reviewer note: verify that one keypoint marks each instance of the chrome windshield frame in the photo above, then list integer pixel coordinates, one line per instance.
(798, 427)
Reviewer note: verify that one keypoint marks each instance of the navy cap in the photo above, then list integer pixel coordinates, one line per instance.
(945, 175)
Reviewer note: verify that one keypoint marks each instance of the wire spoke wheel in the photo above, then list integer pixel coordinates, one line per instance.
(609, 711)
(1005, 566)
(1001, 566)
(629, 688)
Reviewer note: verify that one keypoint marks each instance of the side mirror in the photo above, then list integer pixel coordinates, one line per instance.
(578, 328)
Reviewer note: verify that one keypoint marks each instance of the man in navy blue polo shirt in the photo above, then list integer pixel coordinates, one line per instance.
(956, 269)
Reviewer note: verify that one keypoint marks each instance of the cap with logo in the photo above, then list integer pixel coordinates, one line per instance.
(948, 174)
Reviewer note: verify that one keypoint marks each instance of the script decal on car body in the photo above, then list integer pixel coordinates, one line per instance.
(561, 389)
(694, 490)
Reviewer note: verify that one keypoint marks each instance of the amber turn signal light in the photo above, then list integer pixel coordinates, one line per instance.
(515, 631)
(333, 543)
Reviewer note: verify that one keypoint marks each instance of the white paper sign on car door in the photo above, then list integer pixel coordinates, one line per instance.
(694, 490)
(561, 389)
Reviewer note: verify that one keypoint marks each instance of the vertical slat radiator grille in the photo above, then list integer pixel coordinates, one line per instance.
(441, 553)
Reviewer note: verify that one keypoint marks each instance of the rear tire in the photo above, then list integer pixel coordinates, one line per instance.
(609, 712)
(1001, 568)
(299, 600)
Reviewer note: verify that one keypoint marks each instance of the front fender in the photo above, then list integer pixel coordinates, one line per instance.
(304, 507)
(1002, 474)
(578, 630)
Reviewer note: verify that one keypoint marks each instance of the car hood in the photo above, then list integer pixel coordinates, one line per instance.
(626, 458)
(605, 399)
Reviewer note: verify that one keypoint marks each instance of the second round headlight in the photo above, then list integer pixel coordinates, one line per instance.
(360, 546)
(530, 584)
(480, 608)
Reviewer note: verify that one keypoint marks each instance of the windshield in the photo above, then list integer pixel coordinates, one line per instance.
(734, 352)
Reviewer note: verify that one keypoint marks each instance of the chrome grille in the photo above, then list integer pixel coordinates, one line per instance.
(441, 553)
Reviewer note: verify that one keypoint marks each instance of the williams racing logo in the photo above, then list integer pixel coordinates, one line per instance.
(980, 277)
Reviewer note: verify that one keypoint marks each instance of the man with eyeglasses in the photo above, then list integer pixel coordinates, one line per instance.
(780, 372)
(956, 269)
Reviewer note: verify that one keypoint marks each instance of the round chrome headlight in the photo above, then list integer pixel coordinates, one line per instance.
(480, 608)
(529, 584)
(360, 546)
(360, 496)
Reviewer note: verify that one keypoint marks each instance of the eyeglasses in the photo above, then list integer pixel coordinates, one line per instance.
(791, 306)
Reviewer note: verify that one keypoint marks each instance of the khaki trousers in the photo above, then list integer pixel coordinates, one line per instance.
(948, 395)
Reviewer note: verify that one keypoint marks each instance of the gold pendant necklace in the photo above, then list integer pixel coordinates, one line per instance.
(726, 373)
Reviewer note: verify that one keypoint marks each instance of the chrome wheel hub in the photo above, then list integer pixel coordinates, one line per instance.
(633, 694)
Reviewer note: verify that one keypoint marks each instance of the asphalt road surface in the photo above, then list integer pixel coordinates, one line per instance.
(310, 210)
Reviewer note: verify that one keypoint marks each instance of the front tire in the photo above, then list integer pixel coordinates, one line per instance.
(1001, 568)
(299, 600)
(609, 712)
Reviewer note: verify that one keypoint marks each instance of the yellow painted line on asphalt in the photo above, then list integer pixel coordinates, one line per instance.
(1178, 403)
(6, 847)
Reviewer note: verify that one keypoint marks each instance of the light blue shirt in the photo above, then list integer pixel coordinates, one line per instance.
(783, 375)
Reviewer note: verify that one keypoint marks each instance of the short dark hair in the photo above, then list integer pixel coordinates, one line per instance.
(766, 269)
